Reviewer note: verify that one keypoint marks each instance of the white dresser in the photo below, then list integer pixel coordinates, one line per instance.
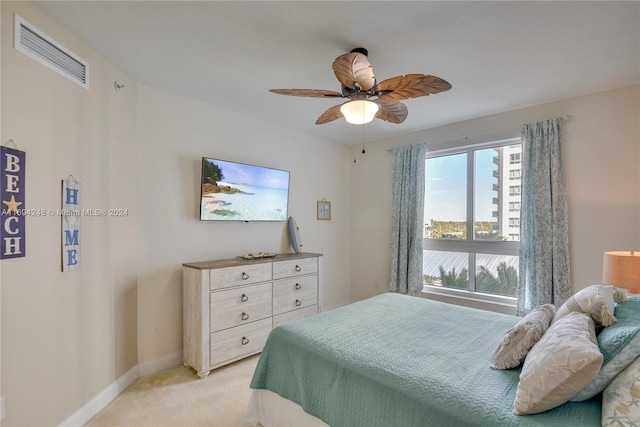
(230, 306)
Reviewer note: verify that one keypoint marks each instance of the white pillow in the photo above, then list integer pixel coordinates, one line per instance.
(561, 364)
(520, 339)
(596, 300)
(620, 398)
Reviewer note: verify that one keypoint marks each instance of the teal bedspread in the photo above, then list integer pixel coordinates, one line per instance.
(395, 360)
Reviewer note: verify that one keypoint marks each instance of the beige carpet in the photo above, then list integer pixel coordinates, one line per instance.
(177, 397)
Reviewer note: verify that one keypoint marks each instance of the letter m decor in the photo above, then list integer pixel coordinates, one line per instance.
(12, 195)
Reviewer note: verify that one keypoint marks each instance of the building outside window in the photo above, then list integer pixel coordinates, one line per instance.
(472, 218)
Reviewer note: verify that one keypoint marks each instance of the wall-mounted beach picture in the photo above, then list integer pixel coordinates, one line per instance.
(239, 192)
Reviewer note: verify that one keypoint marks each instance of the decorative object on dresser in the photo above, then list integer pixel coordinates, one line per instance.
(230, 306)
(622, 269)
(294, 235)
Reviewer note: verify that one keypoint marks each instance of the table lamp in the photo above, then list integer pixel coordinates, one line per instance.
(622, 269)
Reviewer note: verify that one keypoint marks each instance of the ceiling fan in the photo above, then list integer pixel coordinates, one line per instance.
(367, 98)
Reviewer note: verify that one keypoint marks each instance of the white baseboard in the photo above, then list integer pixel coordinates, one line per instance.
(98, 403)
(95, 405)
(157, 365)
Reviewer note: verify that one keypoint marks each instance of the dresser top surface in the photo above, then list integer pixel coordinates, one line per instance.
(234, 262)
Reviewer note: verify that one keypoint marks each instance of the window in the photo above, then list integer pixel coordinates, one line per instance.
(472, 218)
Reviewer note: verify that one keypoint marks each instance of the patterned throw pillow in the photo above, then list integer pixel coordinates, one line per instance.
(597, 301)
(620, 345)
(562, 363)
(621, 397)
(520, 339)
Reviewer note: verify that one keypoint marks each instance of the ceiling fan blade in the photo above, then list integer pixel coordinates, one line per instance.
(330, 115)
(410, 86)
(354, 71)
(391, 111)
(314, 93)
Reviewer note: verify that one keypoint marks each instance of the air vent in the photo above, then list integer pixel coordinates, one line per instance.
(37, 45)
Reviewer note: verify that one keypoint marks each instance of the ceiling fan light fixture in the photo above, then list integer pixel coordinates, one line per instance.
(359, 111)
(367, 99)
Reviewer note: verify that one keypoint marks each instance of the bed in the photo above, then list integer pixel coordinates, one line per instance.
(395, 360)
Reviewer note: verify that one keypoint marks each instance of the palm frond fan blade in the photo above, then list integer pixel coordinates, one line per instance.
(391, 111)
(410, 86)
(314, 93)
(354, 71)
(330, 115)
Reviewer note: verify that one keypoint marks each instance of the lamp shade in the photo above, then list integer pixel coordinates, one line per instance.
(359, 112)
(622, 269)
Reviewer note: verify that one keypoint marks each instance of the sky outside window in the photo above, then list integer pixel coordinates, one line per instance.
(446, 189)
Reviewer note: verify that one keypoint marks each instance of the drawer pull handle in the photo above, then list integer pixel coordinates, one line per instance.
(298, 286)
(245, 316)
(244, 298)
(245, 340)
(298, 268)
(245, 276)
(298, 303)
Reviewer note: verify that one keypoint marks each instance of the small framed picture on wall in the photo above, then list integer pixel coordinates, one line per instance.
(324, 209)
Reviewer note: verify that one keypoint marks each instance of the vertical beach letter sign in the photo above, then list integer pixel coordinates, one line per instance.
(70, 224)
(12, 224)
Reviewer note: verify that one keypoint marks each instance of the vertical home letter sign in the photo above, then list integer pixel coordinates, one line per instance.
(12, 224)
(70, 224)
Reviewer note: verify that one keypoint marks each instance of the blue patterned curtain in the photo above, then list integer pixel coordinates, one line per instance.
(544, 225)
(405, 276)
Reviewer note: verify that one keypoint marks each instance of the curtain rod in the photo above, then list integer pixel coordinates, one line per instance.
(566, 117)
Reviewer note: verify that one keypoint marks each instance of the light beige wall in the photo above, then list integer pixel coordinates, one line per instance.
(601, 149)
(174, 133)
(67, 336)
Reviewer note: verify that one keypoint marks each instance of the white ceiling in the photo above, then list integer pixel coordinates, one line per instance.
(498, 56)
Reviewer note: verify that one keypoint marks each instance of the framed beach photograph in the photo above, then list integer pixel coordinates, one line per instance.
(324, 209)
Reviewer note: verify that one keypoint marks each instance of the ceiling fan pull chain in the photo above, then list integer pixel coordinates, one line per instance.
(363, 139)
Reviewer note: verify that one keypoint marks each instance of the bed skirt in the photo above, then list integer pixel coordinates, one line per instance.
(270, 410)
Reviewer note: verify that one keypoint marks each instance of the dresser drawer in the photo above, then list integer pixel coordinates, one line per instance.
(295, 293)
(240, 305)
(234, 343)
(295, 286)
(292, 268)
(220, 278)
(290, 316)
